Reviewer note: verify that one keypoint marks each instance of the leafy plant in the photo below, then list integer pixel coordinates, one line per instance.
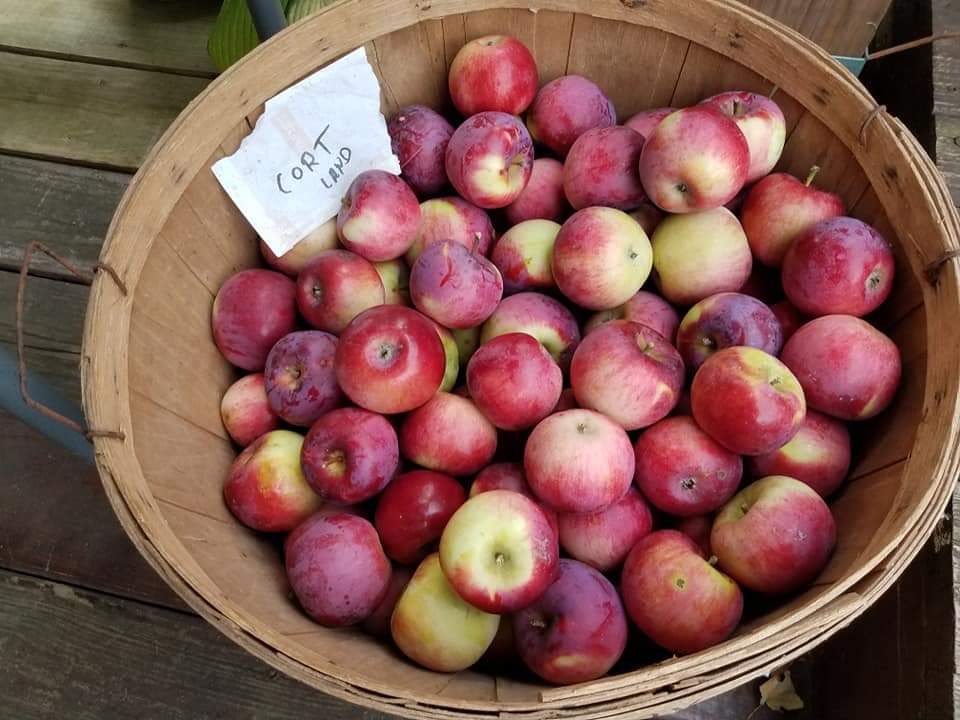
(234, 35)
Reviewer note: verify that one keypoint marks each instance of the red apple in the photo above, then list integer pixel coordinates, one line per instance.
(457, 287)
(747, 400)
(695, 159)
(380, 216)
(253, 309)
(335, 287)
(683, 471)
(774, 536)
(301, 383)
(567, 401)
(645, 308)
(448, 434)
(245, 411)
(847, 368)
(700, 254)
(601, 257)
(789, 317)
(840, 266)
(337, 569)
(265, 488)
(390, 359)
(350, 455)
(451, 218)
(499, 551)
(543, 197)
(578, 461)
(725, 320)
(523, 255)
(395, 276)
(294, 260)
(602, 539)
(627, 371)
(565, 108)
(494, 72)
(676, 598)
(762, 123)
(412, 512)
(509, 476)
(780, 207)
(540, 317)
(576, 631)
(489, 159)
(419, 137)
(434, 627)
(378, 622)
(601, 169)
(646, 122)
(697, 528)
(818, 455)
(514, 381)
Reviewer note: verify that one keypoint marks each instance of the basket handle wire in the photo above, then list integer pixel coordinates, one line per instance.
(87, 279)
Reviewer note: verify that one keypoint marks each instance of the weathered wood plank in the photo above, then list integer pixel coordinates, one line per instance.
(68, 650)
(844, 27)
(164, 35)
(948, 152)
(64, 206)
(945, 17)
(56, 522)
(85, 113)
(53, 327)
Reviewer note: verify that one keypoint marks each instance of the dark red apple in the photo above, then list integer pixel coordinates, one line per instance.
(350, 455)
(419, 137)
(457, 287)
(726, 320)
(301, 383)
(337, 568)
(253, 309)
(412, 512)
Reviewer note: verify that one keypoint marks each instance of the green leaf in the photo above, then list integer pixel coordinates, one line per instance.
(233, 34)
(299, 9)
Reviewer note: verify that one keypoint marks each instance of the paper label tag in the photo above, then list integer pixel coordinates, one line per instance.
(290, 174)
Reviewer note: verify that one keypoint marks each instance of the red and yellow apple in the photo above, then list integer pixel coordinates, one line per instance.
(646, 308)
(335, 287)
(565, 108)
(457, 287)
(448, 434)
(523, 255)
(379, 217)
(499, 551)
(494, 72)
(451, 218)
(543, 197)
(747, 400)
(539, 316)
(601, 169)
(774, 536)
(395, 276)
(762, 123)
(293, 261)
(601, 258)
(645, 122)
(603, 538)
(245, 410)
(726, 320)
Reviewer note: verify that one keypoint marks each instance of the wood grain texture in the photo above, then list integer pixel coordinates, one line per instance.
(68, 651)
(945, 17)
(948, 152)
(84, 113)
(55, 521)
(162, 35)
(844, 27)
(68, 208)
(53, 326)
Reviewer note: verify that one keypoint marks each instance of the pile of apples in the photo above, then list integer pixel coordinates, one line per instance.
(547, 447)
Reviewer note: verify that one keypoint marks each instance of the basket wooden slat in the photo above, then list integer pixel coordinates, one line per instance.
(150, 367)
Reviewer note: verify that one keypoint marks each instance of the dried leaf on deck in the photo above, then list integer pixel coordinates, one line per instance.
(778, 693)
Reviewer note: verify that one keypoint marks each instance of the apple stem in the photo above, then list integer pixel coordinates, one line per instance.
(773, 91)
(537, 623)
(737, 107)
(811, 175)
(477, 237)
(713, 560)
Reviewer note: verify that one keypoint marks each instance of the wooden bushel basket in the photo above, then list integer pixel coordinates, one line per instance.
(152, 372)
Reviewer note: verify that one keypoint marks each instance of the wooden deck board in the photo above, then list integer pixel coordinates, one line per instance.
(86, 113)
(171, 34)
(64, 206)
